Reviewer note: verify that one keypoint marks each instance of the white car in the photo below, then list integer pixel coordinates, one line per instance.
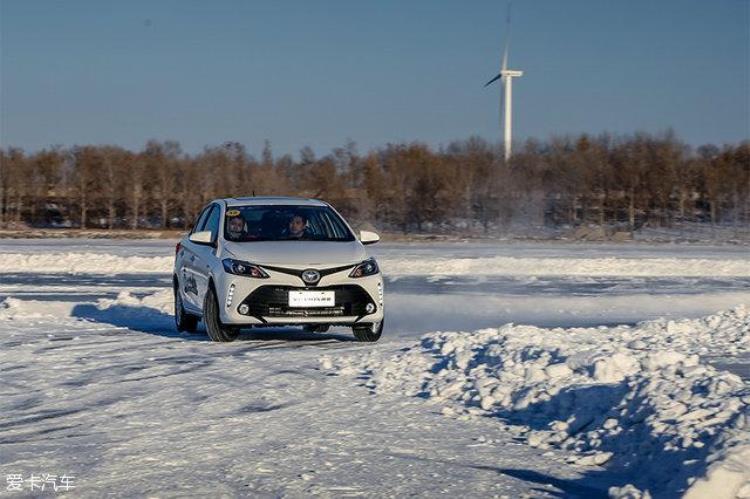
(272, 261)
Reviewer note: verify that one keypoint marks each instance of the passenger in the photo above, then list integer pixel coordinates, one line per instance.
(236, 228)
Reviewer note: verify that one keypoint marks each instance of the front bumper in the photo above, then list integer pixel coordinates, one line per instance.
(267, 299)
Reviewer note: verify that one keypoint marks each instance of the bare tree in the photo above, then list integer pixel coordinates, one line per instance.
(583, 179)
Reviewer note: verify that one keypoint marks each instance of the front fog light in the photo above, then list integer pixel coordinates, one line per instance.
(370, 308)
(230, 296)
(243, 309)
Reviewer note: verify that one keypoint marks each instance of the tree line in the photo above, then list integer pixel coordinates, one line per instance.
(628, 180)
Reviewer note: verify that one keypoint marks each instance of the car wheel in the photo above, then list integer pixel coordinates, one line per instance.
(365, 333)
(183, 321)
(216, 330)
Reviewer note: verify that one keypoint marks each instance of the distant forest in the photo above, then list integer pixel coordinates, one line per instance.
(628, 181)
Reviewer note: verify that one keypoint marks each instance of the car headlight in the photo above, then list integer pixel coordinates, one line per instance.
(238, 267)
(368, 267)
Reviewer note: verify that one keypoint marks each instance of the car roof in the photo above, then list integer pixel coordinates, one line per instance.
(272, 200)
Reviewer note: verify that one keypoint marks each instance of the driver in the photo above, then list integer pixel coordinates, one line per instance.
(297, 227)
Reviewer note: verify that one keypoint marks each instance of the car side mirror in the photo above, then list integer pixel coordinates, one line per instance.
(367, 237)
(202, 237)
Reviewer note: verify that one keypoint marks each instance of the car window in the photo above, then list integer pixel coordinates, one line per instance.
(212, 222)
(284, 223)
(204, 219)
(201, 220)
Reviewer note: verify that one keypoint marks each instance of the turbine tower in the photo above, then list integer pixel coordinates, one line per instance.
(506, 97)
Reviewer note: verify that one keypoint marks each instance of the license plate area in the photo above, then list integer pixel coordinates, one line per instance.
(312, 299)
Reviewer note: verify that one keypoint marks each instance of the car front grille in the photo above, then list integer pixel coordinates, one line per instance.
(273, 301)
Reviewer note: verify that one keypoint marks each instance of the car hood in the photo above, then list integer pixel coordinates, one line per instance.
(298, 254)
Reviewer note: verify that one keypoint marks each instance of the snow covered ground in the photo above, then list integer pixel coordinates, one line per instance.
(637, 399)
(546, 387)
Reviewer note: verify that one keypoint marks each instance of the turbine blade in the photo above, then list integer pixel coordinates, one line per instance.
(502, 103)
(504, 65)
(507, 15)
(493, 80)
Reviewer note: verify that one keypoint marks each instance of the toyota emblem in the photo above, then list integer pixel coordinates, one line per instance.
(311, 276)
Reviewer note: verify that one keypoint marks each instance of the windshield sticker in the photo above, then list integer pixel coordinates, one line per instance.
(233, 213)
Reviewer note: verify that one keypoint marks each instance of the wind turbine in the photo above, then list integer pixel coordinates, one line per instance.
(506, 97)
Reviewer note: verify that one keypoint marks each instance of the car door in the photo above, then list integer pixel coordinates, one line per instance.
(188, 266)
(205, 254)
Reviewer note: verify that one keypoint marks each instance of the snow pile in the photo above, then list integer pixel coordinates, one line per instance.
(161, 302)
(532, 266)
(149, 313)
(97, 263)
(78, 263)
(726, 333)
(637, 400)
(10, 308)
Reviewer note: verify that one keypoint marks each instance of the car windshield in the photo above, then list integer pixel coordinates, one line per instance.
(284, 223)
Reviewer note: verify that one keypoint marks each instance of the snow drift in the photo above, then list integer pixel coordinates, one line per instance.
(637, 400)
(80, 263)
(98, 263)
(151, 305)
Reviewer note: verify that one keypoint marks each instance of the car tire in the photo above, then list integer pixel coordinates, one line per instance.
(183, 321)
(366, 334)
(216, 330)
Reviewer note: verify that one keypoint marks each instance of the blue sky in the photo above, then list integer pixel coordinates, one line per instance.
(319, 73)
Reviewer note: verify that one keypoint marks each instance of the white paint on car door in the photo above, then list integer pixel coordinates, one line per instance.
(188, 268)
(188, 280)
(204, 254)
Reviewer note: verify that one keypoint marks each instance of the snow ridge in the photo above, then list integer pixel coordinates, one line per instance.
(98, 263)
(636, 400)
